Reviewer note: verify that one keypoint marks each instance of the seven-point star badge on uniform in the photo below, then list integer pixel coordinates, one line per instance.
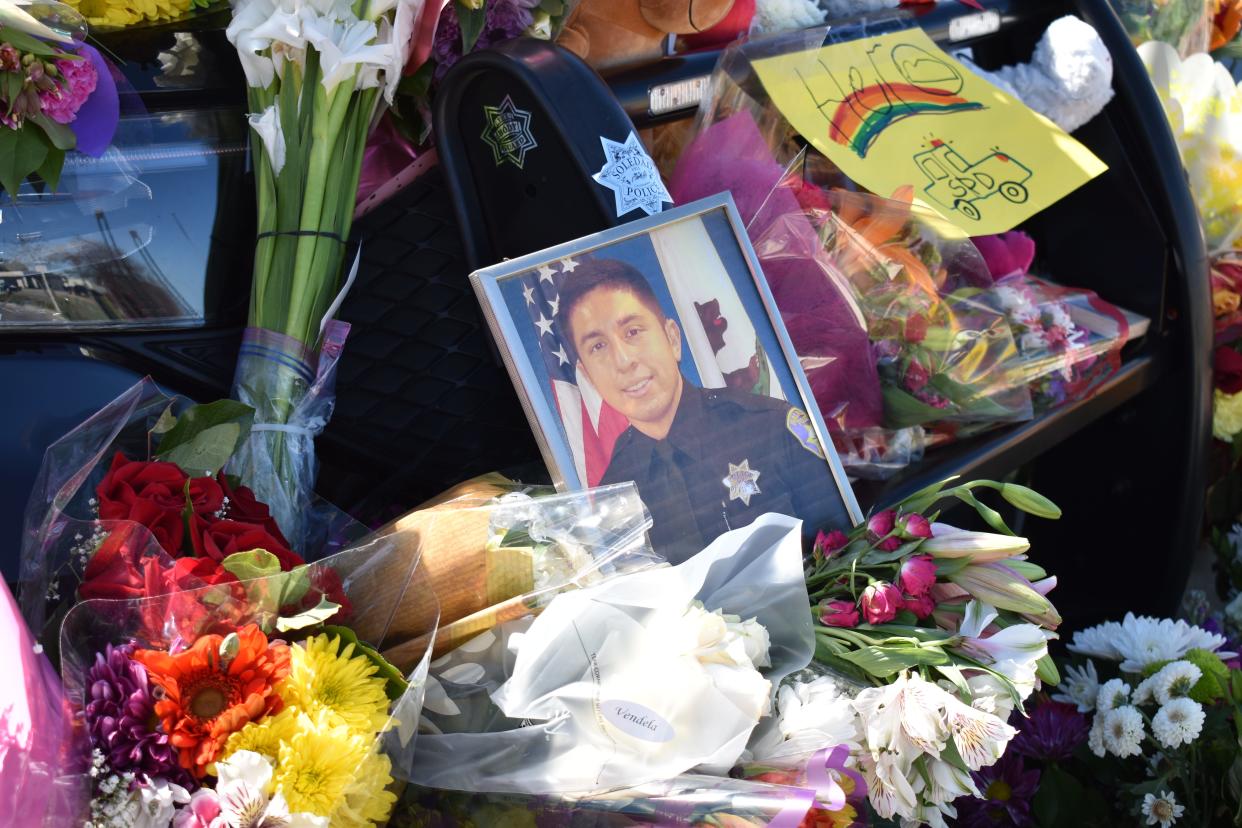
(742, 482)
(632, 176)
(507, 132)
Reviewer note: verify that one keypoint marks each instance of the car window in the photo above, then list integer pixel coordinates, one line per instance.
(137, 237)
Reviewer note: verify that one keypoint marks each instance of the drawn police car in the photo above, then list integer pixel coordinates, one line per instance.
(958, 184)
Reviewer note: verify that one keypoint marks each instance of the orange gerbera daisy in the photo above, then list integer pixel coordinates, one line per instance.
(208, 696)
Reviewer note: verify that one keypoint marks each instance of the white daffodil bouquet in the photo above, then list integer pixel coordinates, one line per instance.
(317, 73)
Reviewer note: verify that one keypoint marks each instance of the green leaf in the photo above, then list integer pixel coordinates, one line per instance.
(554, 8)
(26, 43)
(21, 153)
(921, 500)
(902, 410)
(471, 22)
(990, 516)
(256, 563)
(516, 538)
(418, 85)
(205, 436)
(1057, 800)
(324, 610)
(397, 684)
(882, 662)
(60, 135)
(50, 169)
(165, 423)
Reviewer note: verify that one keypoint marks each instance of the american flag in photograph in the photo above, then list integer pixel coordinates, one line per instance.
(590, 423)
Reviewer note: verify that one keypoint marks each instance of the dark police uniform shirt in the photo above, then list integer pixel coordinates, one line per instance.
(729, 457)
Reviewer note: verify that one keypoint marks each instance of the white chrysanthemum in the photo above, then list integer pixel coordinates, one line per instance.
(1178, 723)
(1113, 694)
(1081, 686)
(1174, 681)
(1097, 641)
(1142, 641)
(1095, 739)
(1162, 809)
(809, 716)
(1233, 610)
(1143, 693)
(1235, 539)
(1123, 732)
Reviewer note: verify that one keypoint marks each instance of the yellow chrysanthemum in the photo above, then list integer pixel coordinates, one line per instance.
(368, 801)
(323, 676)
(319, 764)
(1226, 415)
(120, 13)
(264, 736)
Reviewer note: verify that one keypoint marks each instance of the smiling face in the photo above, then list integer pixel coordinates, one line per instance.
(631, 356)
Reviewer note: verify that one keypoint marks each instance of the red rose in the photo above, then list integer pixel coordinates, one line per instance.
(206, 496)
(325, 582)
(1228, 364)
(116, 569)
(148, 492)
(245, 508)
(225, 537)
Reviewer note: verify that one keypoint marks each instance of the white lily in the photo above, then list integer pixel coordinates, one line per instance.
(244, 780)
(981, 547)
(945, 783)
(1021, 644)
(248, 16)
(267, 125)
(888, 789)
(404, 18)
(903, 717)
(344, 47)
(980, 737)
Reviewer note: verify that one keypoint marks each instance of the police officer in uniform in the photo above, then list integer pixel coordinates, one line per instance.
(705, 460)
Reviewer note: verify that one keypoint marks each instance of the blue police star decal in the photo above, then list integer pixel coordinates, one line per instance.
(507, 132)
(632, 176)
(742, 482)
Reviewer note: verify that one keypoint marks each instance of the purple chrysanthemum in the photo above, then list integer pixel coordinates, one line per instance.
(120, 716)
(506, 19)
(1212, 625)
(1007, 788)
(1054, 731)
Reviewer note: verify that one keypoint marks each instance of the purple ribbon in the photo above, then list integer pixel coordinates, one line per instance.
(794, 809)
(97, 118)
(818, 775)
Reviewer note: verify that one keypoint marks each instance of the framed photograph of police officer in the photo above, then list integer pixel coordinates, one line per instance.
(653, 352)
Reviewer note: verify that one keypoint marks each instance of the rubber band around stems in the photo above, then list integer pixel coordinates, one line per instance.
(321, 233)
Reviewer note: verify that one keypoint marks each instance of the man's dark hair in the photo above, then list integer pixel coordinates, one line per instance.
(592, 274)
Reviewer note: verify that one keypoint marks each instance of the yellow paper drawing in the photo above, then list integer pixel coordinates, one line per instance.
(895, 110)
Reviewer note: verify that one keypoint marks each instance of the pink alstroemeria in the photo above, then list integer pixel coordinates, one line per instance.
(838, 614)
(917, 575)
(881, 602)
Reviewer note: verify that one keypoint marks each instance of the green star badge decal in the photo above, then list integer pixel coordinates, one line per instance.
(508, 133)
(742, 482)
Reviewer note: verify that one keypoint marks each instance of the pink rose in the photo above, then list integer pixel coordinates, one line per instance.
(917, 575)
(914, 527)
(889, 544)
(882, 523)
(921, 605)
(838, 614)
(828, 544)
(880, 602)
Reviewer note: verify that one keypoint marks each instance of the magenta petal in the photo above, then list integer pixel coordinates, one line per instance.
(97, 119)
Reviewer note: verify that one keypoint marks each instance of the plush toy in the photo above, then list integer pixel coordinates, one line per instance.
(1070, 78)
(609, 34)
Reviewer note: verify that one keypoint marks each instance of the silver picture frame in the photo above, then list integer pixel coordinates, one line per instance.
(512, 329)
